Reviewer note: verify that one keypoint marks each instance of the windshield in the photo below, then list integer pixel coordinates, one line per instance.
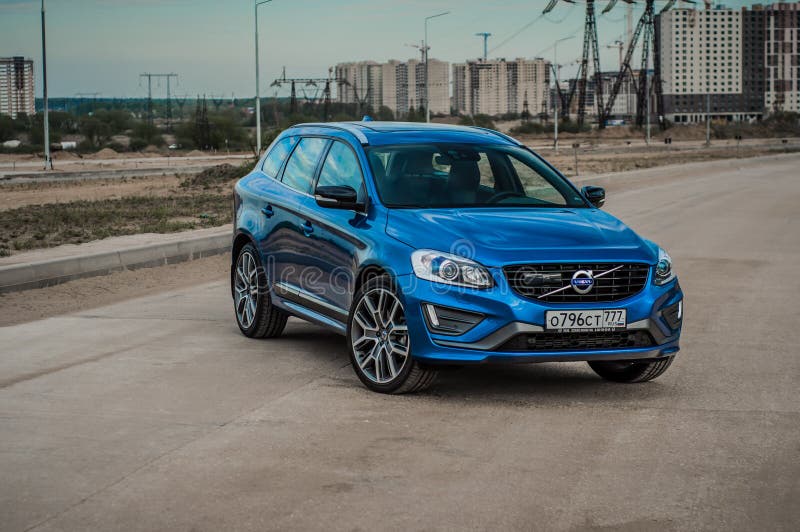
(463, 175)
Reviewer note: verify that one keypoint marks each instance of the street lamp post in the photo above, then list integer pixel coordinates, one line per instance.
(258, 89)
(427, 86)
(558, 71)
(47, 160)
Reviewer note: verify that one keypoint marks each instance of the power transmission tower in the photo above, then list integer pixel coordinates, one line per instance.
(645, 26)
(485, 36)
(202, 125)
(590, 48)
(92, 95)
(181, 101)
(526, 113)
(150, 77)
(309, 82)
(217, 101)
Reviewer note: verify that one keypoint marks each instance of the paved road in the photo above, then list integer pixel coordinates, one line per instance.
(155, 414)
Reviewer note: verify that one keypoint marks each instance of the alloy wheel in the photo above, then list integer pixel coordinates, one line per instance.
(246, 289)
(380, 336)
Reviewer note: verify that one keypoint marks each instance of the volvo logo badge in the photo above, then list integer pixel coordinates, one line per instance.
(582, 281)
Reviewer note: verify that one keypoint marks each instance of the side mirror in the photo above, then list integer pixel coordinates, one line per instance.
(595, 195)
(338, 197)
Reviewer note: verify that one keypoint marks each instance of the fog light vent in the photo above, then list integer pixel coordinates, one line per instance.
(673, 315)
(450, 321)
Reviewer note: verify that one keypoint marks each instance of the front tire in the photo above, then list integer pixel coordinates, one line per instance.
(634, 371)
(255, 314)
(379, 343)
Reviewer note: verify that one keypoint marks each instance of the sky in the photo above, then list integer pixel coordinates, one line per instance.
(103, 45)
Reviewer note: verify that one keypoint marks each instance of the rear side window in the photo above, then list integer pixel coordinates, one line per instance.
(299, 172)
(341, 168)
(272, 164)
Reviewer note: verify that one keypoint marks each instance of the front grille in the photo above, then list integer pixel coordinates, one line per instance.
(535, 280)
(579, 341)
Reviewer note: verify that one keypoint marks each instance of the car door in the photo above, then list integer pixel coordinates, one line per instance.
(338, 234)
(269, 208)
(292, 251)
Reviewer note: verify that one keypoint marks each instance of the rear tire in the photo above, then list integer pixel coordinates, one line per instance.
(379, 344)
(634, 371)
(256, 316)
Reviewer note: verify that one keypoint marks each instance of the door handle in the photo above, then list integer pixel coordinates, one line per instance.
(267, 211)
(307, 228)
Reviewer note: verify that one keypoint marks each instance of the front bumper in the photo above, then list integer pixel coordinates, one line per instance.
(506, 315)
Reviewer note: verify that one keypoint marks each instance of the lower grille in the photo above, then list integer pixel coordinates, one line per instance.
(556, 341)
(536, 280)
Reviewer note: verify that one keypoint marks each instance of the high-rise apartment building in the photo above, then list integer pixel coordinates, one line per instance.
(730, 64)
(700, 64)
(400, 86)
(363, 83)
(16, 86)
(497, 86)
(781, 27)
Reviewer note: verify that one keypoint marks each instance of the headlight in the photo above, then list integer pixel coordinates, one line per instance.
(664, 271)
(450, 269)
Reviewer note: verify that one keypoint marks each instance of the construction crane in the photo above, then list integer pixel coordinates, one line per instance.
(421, 47)
(619, 45)
(590, 48)
(485, 36)
(646, 26)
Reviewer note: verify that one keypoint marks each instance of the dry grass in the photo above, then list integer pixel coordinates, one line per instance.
(53, 224)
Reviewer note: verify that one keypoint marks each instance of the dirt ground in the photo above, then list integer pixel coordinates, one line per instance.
(622, 158)
(110, 160)
(93, 292)
(17, 195)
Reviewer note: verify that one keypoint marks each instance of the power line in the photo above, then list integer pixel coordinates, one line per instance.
(516, 33)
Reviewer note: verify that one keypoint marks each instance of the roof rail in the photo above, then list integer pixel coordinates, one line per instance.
(355, 131)
(501, 135)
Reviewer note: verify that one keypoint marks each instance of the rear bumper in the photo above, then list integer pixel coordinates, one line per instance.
(505, 315)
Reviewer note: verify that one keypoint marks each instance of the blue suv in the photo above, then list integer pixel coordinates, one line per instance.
(431, 245)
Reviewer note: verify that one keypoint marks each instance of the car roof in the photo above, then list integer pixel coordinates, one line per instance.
(383, 133)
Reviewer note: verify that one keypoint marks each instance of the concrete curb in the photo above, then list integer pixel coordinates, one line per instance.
(43, 273)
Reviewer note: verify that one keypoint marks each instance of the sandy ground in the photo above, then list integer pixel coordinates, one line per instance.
(17, 195)
(66, 162)
(85, 294)
(621, 158)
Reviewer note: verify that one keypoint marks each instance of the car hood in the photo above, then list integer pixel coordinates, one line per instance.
(498, 236)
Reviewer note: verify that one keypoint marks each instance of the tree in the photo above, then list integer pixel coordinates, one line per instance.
(95, 131)
(384, 113)
(479, 120)
(7, 128)
(147, 134)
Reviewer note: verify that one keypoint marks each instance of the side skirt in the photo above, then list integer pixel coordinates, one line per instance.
(309, 307)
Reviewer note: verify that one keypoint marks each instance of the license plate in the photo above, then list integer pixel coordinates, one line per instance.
(585, 320)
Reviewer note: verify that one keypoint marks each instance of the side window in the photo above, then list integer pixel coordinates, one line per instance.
(299, 173)
(341, 168)
(272, 164)
(535, 185)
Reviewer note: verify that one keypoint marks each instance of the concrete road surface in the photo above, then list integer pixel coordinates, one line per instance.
(156, 414)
